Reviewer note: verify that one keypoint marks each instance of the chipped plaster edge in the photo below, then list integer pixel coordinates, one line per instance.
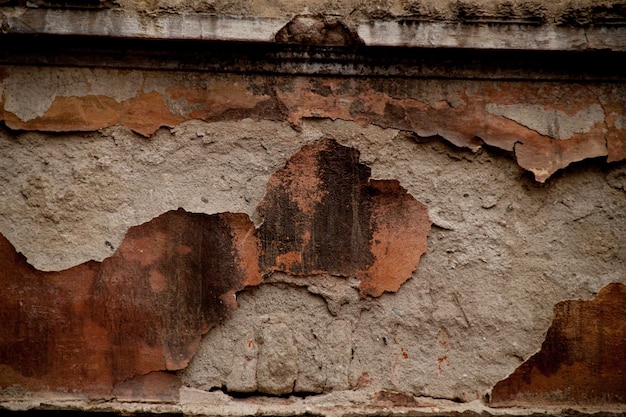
(198, 402)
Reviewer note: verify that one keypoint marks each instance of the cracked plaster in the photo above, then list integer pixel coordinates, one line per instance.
(30, 93)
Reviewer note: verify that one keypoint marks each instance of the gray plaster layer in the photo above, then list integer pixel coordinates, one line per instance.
(31, 91)
(482, 32)
(284, 341)
(553, 123)
(503, 249)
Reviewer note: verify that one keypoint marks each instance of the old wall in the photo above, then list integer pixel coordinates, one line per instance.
(332, 230)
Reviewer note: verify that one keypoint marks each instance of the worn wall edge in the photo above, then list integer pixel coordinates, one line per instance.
(497, 35)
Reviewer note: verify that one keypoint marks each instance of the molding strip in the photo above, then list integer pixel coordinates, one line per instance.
(501, 35)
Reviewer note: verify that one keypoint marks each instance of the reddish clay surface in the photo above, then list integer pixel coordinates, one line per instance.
(322, 214)
(142, 310)
(582, 360)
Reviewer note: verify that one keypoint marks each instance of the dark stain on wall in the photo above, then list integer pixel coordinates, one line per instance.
(322, 214)
(315, 219)
(582, 360)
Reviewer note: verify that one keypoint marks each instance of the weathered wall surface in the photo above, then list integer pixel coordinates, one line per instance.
(503, 250)
(365, 240)
(566, 12)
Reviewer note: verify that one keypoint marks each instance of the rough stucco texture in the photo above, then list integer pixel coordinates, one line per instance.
(503, 251)
(145, 308)
(546, 125)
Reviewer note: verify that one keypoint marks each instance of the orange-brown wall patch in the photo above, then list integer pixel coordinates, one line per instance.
(142, 310)
(582, 360)
(323, 214)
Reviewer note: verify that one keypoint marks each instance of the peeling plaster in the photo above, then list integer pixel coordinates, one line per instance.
(144, 308)
(469, 114)
(29, 93)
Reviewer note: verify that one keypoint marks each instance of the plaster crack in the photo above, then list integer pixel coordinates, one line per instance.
(458, 303)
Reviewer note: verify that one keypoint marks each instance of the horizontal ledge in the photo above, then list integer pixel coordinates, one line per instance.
(490, 36)
(509, 36)
(128, 24)
(285, 59)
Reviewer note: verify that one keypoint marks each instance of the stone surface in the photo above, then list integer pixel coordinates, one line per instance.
(277, 368)
(569, 13)
(315, 30)
(157, 387)
(490, 33)
(582, 360)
